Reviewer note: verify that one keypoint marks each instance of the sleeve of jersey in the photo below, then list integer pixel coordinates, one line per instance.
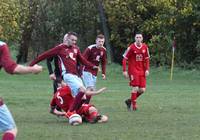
(7, 63)
(53, 101)
(49, 65)
(103, 63)
(127, 53)
(86, 53)
(124, 64)
(147, 57)
(83, 60)
(50, 53)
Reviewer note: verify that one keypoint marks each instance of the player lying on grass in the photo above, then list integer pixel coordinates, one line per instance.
(63, 99)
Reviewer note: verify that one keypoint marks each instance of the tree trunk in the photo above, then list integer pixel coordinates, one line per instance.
(105, 30)
(27, 29)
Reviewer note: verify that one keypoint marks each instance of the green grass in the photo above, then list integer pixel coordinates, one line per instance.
(169, 110)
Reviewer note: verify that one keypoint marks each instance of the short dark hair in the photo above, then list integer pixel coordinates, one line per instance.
(72, 33)
(101, 36)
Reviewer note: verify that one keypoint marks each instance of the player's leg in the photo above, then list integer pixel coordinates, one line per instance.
(7, 124)
(89, 81)
(78, 90)
(134, 82)
(134, 97)
(142, 86)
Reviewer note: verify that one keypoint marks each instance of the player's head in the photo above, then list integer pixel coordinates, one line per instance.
(138, 38)
(100, 39)
(70, 38)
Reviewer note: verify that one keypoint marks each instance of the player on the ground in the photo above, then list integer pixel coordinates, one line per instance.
(69, 55)
(7, 123)
(96, 54)
(137, 55)
(63, 99)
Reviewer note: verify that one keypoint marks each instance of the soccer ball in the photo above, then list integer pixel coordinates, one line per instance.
(75, 119)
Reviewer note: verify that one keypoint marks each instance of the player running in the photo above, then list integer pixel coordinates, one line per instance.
(137, 55)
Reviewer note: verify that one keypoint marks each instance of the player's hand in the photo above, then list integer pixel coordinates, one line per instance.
(52, 76)
(101, 90)
(125, 74)
(36, 69)
(146, 73)
(103, 76)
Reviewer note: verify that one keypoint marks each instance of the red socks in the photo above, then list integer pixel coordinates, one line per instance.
(138, 94)
(77, 102)
(133, 100)
(8, 136)
(88, 97)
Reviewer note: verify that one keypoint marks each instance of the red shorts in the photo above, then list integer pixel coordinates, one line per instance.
(137, 81)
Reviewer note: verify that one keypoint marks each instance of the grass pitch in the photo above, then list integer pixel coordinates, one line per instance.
(169, 110)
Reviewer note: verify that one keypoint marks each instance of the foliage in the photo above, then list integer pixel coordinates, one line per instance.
(160, 22)
(9, 20)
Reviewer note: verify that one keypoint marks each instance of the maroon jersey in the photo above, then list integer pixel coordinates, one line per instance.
(138, 59)
(62, 98)
(5, 59)
(68, 58)
(95, 55)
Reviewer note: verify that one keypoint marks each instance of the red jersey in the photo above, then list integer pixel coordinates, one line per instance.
(95, 55)
(62, 98)
(5, 59)
(68, 58)
(138, 59)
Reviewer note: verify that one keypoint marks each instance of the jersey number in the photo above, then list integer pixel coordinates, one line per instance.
(139, 57)
(60, 98)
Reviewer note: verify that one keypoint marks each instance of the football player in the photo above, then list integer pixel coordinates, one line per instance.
(63, 99)
(137, 55)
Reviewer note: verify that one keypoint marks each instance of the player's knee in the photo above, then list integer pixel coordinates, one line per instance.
(142, 90)
(13, 131)
(135, 89)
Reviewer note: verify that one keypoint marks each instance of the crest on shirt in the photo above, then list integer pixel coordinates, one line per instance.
(75, 50)
(143, 51)
(101, 53)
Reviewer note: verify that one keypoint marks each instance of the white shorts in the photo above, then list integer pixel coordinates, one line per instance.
(6, 120)
(89, 79)
(74, 82)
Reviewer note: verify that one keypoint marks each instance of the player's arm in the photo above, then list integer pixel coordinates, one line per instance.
(53, 109)
(92, 93)
(47, 54)
(50, 69)
(147, 62)
(20, 69)
(103, 65)
(124, 68)
(125, 59)
(86, 53)
(85, 62)
(49, 65)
